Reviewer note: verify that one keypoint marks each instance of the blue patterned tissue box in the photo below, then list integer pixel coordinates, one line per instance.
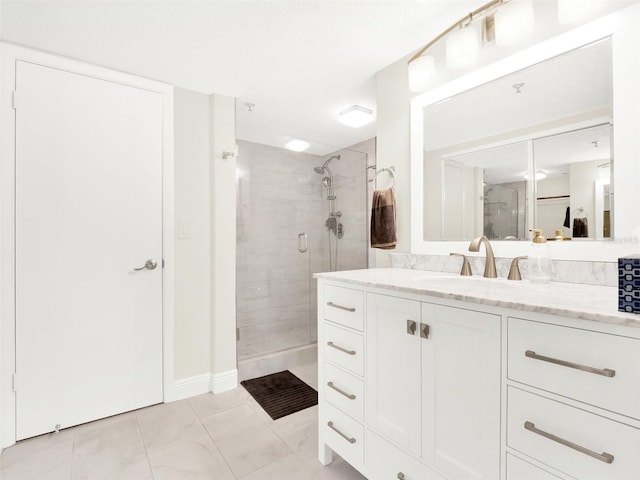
(629, 284)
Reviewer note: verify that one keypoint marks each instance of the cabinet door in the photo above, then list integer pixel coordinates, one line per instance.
(461, 392)
(393, 369)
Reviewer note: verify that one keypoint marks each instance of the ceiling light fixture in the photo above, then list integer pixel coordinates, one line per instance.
(539, 175)
(296, 145)
(464, 40)
(356, 116)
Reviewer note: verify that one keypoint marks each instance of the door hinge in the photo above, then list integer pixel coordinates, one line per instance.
(163, 263)
(14, 382)
(14, 96)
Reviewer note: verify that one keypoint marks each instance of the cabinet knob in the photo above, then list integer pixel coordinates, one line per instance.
(411, 327)
(400, 476)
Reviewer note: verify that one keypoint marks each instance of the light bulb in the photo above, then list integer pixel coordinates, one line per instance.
(463, 47)
(514, 22)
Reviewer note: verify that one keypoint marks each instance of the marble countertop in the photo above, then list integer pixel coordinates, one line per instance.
(588, 302)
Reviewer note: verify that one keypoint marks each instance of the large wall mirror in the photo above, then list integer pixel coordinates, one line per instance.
(530, 144)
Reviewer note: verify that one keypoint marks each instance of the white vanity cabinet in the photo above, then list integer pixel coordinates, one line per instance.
(573, 399)
(431, 389)
(433, 383)
(450, 378)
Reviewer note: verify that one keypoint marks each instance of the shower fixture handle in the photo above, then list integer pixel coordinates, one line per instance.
(303, 242)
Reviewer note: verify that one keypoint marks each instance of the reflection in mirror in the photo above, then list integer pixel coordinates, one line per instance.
(492, 200)
(573, 200)
(483, 147)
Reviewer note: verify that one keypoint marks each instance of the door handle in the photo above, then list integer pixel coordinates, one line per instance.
(148, 265)
(303, 242)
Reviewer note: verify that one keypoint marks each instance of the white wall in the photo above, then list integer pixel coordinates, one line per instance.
(393, 147)
(205, 197)
(192, 227)
(223, 242)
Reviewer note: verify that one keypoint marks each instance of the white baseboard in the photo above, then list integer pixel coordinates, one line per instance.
(191, 386)
(204, 383)
(225, 381)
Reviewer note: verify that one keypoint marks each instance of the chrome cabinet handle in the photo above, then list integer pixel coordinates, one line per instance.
(334, 305)
(338, 347)
(148, 265)
(348, 439)
(350, 396)
(411, 327)
(605, 372)
(303, 242)
(424, 330)
(603, 457)
(400, 476)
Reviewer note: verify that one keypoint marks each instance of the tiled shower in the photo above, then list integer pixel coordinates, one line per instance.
(282, 239)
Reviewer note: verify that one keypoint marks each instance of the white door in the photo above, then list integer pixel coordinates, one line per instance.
(88, 212)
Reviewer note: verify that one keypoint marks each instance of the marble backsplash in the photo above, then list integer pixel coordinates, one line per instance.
(589, 273)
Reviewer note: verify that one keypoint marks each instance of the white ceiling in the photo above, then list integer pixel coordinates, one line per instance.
(299, 62)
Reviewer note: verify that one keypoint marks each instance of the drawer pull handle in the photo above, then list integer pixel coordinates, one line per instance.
(400, 476)
(350, 396)
(605, 372)
(335, 305)
(603, 457)
(348, 439)
(338, 347)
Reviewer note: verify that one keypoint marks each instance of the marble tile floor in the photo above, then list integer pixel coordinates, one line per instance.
(210, 437)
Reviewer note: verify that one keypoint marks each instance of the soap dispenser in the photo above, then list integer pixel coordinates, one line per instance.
(539, 263)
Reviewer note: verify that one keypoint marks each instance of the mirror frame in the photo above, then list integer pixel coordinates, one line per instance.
(621, 26)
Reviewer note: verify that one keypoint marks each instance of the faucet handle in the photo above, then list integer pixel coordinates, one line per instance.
(514, 271)
(466, 266)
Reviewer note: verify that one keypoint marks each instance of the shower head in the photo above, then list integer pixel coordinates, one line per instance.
(321, 169)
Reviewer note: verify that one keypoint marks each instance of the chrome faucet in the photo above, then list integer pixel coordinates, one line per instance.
(490, 261)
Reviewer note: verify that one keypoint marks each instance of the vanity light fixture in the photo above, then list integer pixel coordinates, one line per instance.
(463, 46)
(356, 116)
(464, 38)
(513, 22)
(296, 145)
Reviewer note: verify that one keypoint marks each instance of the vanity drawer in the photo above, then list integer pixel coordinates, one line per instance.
(387, 462)
(518, 469)
(531, 419)
(343, 435)
(344, 306)
(344, 348)
(591, 367)
(344, 391)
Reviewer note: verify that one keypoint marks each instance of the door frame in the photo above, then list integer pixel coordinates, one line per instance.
(9, 55)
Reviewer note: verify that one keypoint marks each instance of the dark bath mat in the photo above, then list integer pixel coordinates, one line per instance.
(281, 394)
